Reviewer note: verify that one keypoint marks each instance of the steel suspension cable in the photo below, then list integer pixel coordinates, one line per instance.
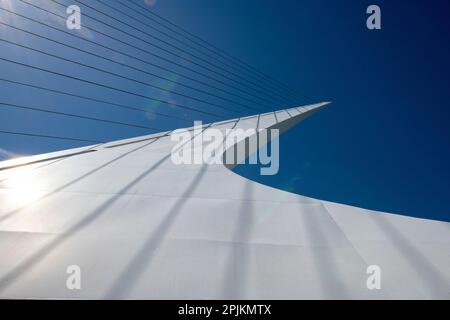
(149, 52)
(208, 45)
(119, 52)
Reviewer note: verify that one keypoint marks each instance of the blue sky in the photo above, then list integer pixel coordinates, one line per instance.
(383, 143)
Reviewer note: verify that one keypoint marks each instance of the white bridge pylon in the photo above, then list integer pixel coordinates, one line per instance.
(136, 226)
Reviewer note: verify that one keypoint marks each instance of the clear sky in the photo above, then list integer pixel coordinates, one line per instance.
(383, 143)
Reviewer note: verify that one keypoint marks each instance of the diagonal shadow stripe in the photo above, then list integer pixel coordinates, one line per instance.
(236, 273)
(66, 185)
(24, 266)
(130, 276)
(431, 277)
(91, 217)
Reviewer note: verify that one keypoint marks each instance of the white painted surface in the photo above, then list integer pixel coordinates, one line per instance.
(141, 227)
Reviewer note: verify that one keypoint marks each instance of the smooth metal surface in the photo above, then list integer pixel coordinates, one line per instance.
(141, 227)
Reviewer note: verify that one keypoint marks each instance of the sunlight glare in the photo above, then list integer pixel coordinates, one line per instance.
(23, 188)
